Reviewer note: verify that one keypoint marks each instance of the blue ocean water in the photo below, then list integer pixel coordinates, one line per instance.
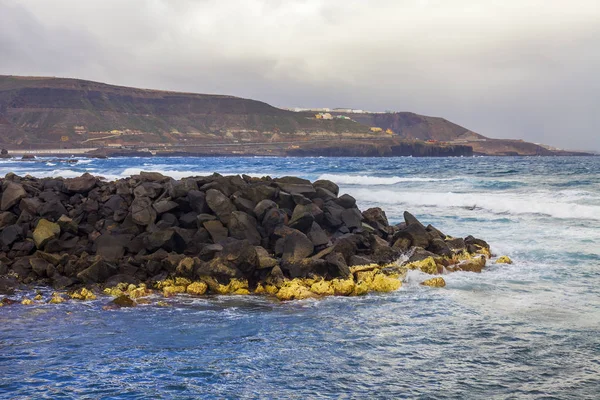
(527, 330)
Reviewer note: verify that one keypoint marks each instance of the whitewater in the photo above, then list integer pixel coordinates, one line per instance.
(526, 330)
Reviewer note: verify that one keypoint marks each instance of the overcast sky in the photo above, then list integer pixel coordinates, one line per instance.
(504, 68)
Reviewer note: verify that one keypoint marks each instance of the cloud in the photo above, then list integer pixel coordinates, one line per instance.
(518, 69)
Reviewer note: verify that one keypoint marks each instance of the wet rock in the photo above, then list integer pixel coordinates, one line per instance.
(44, 232)
(220, 205)
(476, 264)
(98, 272)
(82, 184)
(11, 195)
(120, 302)
(456, 244)
(336, 266)
(503, 260)
(434, 282)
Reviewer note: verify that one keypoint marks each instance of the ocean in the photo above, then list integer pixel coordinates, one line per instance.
(526, 330)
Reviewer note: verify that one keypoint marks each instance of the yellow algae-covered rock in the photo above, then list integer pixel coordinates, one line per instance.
(482, 250)
(504, 260)
(361, 268)
(83, 294)
(197, 288)
(169, 291)
(122, 286)
(131, 287)
(294, 290)
(427, 265)
(343, 287)
(434, 282)
(140, 291)
(260, 289)
(366, 276)
(26, 302)
(384, 283)
(162, 304)
(164, 283)
(179, 281)
(322, 288)
(271, 289)
(360, 288)
(38, 297)
(476, 264)
(237, 285)
(56, 299)
(241, 291)
(114, 292)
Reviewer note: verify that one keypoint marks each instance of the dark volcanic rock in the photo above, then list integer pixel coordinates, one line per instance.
(243, 226)
(327, 185)
(82, 184)
(97, 272)
(142, 211)
(220, 205)
(296, 246)
(111, 247)
(12, 194)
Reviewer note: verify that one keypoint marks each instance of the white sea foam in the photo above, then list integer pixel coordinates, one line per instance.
(375, 180)
(542, 203)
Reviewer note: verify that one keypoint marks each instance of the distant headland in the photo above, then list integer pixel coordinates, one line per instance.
(50, 116)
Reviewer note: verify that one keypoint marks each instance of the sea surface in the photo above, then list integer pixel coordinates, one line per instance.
(527, 330)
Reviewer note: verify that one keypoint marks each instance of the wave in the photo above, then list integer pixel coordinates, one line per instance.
(376, 180)
(543, 204)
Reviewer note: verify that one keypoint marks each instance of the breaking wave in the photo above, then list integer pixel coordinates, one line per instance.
(376, 180)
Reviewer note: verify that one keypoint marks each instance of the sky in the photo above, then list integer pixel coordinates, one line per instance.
(522, 69)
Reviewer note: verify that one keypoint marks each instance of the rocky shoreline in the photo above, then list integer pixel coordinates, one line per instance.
(150, 234)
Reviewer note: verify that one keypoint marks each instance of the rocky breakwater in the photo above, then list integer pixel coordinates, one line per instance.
(150, 234)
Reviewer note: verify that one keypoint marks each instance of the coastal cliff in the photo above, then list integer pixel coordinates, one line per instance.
(62, 114)
(285, 237)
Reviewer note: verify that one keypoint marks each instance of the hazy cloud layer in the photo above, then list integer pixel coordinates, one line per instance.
(512, 68)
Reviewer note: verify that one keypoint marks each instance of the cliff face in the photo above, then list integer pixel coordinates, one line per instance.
(46, 109)
(413, 126)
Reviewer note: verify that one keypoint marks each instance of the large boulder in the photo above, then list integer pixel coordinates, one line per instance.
(376, 218)
(7, 218)
(220, 205)
(12, 195)
(262, 207)
(98, 272)
(11, 234)
(167, 239)
(243, 226)
(328, 185)
(197, 201)
(273, 219)
(111, 247)
(81, 184)
(44, 232)
(296, 246)
(217, 231)
(352, 218)
(142, 211)
(317, 235)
